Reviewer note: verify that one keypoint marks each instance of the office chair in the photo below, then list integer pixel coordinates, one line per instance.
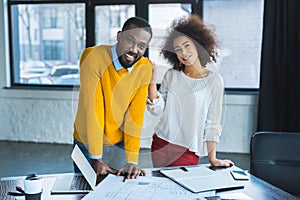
(275, 158)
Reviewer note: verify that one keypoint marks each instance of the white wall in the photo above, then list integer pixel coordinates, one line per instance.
(47, 116)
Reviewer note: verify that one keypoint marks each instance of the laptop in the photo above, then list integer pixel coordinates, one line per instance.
(201, 179)
(76, 183)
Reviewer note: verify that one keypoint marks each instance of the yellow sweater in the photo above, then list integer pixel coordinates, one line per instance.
(111, 104)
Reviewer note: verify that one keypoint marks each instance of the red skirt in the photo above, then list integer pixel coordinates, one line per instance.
(166, 154)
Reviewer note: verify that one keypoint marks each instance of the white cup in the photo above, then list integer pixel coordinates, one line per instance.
(33, 187)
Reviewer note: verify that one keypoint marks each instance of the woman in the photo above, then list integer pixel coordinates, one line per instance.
(190, 98)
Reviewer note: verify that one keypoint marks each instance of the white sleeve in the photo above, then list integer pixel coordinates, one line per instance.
(156, 106)
(213, 125)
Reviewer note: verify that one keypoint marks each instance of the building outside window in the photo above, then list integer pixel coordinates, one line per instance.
(54, 36)
(109, 20)
(238, 25)
(51, 35)
(53, 50)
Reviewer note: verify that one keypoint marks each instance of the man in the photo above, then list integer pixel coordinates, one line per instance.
(112, 98)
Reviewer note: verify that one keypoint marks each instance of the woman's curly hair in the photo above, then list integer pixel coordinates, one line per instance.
(193, 27)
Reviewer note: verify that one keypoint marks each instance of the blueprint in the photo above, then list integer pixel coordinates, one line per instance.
(143, 188)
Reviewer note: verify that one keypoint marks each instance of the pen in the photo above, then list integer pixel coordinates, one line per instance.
(124, 179)
(15, 194)
(125, 175)
(19, 189)
(70, 192)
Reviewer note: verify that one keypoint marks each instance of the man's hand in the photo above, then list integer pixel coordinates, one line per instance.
(131, 170)
(101, 168)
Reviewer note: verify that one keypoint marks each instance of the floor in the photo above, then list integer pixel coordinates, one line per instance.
(21, 158)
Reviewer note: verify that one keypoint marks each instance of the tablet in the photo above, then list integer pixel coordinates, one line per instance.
(239, 175)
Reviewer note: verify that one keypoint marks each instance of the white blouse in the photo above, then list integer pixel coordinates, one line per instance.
(191, 110)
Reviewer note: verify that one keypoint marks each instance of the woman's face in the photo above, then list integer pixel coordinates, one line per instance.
(186, 50)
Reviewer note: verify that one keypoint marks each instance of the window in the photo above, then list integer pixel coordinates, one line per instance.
(47, 35)
(160, 25)
(115, 16)
(109, 20)
(240, 39)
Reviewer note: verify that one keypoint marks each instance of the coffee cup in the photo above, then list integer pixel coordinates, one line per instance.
(33, 187)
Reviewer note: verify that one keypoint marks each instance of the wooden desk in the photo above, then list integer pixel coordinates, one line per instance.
(255, 188)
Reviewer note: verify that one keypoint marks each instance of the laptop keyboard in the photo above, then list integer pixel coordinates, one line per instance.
(9, 185)
(79, 183)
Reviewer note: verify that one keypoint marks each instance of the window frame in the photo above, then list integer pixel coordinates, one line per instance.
(141, 10)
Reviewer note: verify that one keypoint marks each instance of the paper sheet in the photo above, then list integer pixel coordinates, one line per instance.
(236, 195)
(143, 188)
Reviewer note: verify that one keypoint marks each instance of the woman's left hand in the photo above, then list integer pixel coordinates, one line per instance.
(222, 163)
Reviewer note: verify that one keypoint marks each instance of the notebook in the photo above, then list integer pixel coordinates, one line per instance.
(85, 182)
(201, 178)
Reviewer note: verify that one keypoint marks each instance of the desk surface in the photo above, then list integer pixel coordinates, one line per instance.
(254, 188)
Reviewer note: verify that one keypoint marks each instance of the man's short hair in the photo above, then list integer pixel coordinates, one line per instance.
(139, 22)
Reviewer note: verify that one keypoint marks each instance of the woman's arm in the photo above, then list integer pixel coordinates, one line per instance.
(213, 124)
(212, 158)
(152, 90)
(155, 101)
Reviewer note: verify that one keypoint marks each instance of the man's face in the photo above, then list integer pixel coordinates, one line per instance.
(132, 44)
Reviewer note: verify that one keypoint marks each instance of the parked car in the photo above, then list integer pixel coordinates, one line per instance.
(52, 63)
(62, 70)
(36, 79)
(70, 79)
(35, 70)
(31, 64)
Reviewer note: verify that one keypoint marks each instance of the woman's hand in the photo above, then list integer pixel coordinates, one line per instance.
(222, 163)
(211, 148)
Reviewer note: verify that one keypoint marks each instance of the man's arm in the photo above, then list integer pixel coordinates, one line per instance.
(133, 124)
(90, 115)
(132, 134)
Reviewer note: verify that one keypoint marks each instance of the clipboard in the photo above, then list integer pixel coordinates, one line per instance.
(201, 178)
